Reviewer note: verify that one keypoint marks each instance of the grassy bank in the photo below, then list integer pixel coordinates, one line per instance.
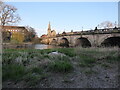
(32, 66)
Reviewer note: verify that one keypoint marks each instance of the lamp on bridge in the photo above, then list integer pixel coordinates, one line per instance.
(115, 25)
(82, 30)
(96, 28)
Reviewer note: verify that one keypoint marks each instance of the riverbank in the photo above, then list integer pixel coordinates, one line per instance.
(28, 46)
(61, 68)
(16, 46)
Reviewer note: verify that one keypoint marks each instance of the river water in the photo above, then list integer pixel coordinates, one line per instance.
(43, 46)
(29, 46)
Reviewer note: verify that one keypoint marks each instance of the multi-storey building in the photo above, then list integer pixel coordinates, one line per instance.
(15, 30)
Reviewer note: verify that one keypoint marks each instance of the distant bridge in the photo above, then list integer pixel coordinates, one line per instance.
(97, 37)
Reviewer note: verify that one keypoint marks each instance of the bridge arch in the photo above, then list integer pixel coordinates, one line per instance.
(64, 42)
(83, 42)
(111, 41)
(53, 42)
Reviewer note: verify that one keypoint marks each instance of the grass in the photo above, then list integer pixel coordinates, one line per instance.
(13, 72)
(61, 66)
(97, 52)
(9, 57)
(18, 72)
(32, 79)
(86, 61)
(34, 75)
(59, 58)
(113, 58)
(37, 70)
(87, 58)
(67, 51)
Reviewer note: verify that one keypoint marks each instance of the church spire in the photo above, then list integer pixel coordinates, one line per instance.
(49, 26)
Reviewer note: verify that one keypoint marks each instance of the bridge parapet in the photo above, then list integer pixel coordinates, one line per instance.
(95, 37)
(88, 32)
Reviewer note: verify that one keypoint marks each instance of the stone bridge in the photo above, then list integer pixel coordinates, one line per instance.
(98, 37)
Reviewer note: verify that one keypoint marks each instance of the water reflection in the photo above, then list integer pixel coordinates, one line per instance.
(43, 46)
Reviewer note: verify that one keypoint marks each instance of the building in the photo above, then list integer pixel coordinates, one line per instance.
(50, 33)
(15, 31)
(44, 36)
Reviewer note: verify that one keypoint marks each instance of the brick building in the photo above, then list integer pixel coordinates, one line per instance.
(16, 30)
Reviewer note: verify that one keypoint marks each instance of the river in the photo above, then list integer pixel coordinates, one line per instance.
(43, 46)
(29, 46)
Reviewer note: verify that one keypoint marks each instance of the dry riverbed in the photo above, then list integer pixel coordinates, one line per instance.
(61, 68)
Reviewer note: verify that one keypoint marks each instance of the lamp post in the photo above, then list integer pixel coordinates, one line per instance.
(81, 32)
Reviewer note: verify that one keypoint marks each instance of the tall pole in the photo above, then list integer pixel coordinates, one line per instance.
(0, 57)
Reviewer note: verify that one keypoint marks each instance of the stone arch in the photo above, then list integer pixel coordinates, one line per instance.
(83, 42)
(53, 42)
(102, 38)
(111, 41)
(64, 42)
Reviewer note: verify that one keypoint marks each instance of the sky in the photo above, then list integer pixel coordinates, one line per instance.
(65, 16)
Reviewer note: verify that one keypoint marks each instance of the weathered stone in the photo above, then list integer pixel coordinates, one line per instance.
(56, 54)
(90, 38)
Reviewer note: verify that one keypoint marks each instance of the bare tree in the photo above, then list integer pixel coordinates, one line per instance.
(107, 24)
(8, 14)
(1, 3)
(30, 35)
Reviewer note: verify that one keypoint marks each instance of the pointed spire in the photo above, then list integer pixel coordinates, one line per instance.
(49, 26)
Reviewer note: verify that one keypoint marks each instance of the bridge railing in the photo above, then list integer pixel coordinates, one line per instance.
(89, 32)
(98, 31)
